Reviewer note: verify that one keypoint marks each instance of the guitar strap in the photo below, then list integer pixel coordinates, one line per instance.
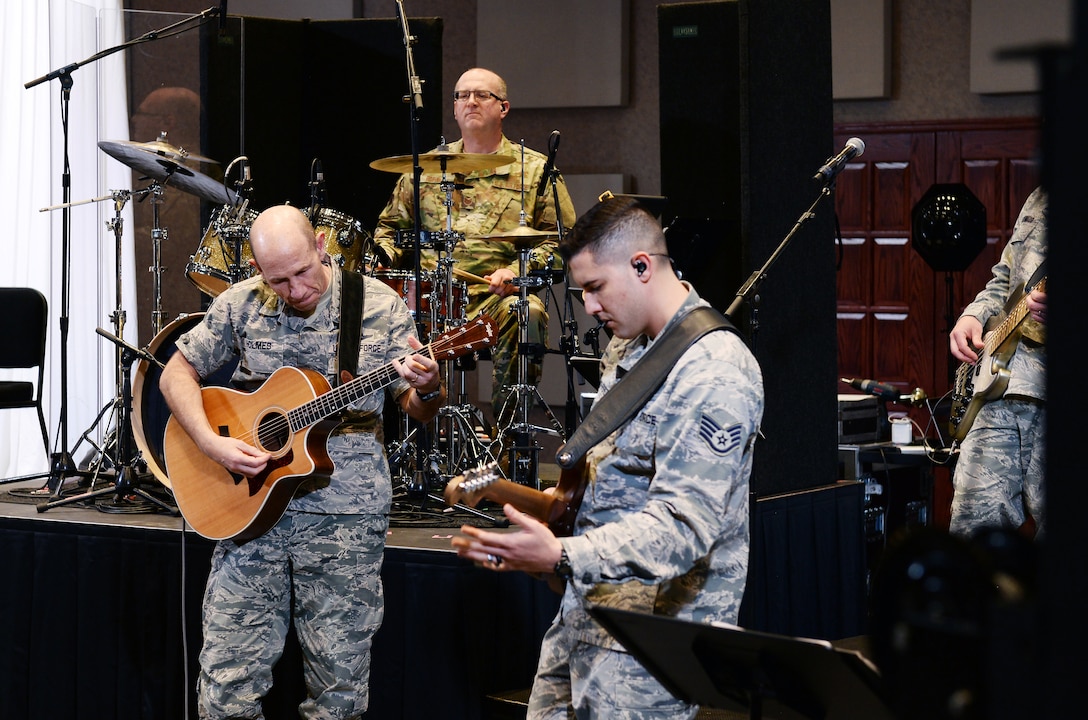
(351, 321)
(1036, 276)
(635, 389)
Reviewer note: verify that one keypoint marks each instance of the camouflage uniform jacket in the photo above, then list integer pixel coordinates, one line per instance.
(663, 526)
(250, 322)
(491, 202)
(1024, 253)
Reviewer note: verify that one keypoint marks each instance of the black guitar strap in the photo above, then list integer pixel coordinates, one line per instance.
(635, 389)
(351, 321)
(1039, 274)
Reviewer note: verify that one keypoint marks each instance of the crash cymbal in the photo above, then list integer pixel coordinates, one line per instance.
(521, 235)
(169, 171)
(170, 152)
(442, 161)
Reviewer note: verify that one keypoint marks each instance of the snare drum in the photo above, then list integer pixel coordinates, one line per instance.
(149, 409)
(345, 240)
(224, 253)
(404, 283)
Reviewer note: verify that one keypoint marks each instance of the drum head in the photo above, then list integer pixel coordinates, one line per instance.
(149, 409)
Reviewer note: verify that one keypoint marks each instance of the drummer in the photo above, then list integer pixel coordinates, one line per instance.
(487, 202)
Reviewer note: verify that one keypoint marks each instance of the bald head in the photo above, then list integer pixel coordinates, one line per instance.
(290, 256)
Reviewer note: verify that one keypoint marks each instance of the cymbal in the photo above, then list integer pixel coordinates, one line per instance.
(166, 169)
(168, 151)
(443, 161)
(521, 235)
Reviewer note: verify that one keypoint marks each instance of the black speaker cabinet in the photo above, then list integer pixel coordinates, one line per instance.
(746, 120)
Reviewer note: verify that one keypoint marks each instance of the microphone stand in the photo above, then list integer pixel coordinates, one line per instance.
(417, 486)
(568, 344)
(748, 290)
(61, 463)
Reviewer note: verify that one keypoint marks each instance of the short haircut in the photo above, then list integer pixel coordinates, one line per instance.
(614, 226)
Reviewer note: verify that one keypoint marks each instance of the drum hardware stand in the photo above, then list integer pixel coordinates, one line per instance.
(158, 233)
(121, 436)
(89, 476)
(524, 450)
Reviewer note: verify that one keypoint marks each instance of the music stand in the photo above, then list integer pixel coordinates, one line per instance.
(730, 668)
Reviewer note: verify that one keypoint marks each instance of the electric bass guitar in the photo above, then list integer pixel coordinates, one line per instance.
(980, 382)
(556, 510)
(290, 416)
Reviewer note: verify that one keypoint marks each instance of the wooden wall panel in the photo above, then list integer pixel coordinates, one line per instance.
(887, 295)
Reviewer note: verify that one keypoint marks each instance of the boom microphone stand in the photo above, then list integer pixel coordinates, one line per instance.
(417, 486)
(62, 464)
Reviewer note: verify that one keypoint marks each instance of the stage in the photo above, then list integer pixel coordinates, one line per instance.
(103, 615)
(103, 609)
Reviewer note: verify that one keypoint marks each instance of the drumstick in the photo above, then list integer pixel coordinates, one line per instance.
(465, 275)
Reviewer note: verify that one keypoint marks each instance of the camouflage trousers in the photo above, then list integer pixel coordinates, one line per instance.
(580, 680)
(504, 354)
(322, 572)
(1000, 475)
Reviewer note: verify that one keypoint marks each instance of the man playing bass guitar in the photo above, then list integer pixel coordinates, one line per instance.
(663, 522)
(999, 476)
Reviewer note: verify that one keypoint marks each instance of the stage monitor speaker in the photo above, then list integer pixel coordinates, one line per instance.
(746, 120)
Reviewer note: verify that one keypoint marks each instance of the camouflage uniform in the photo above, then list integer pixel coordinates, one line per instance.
(319, 566)
(491, 203)
(999, 475)
(663, 527)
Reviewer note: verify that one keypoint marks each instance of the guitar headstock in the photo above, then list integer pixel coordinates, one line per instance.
(475, 335)
(469, 489)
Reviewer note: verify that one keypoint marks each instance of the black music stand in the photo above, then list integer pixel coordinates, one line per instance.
(765, 675)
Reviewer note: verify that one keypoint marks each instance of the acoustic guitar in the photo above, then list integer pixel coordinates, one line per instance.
(291, 417)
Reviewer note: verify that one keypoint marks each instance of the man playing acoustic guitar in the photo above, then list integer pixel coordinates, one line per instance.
(318, 566)
(663, 523)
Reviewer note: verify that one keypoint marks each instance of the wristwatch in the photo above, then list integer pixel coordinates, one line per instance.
(563, 568)
(427, 397)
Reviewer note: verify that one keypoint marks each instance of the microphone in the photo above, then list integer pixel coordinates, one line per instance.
(553, 148)
(872, 387)
(854, 148)
(317, 190)
(222, 16)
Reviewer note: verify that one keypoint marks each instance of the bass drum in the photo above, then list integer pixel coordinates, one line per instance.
(149, 409)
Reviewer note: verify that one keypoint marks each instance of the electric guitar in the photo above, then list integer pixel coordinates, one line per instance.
(556, 510)
(220, 504)
(980, 382)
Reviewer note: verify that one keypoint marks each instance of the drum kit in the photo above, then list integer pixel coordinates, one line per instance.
(436, 299)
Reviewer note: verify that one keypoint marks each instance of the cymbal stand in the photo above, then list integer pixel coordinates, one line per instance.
(121, 437)
(457, 420)
(158, 234)
(515, 409)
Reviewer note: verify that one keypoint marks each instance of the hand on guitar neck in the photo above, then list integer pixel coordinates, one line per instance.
(542, 516)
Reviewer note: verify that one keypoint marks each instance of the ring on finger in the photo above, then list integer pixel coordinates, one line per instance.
(494, 560)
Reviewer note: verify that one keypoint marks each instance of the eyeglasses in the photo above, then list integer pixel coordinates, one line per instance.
(481, 95)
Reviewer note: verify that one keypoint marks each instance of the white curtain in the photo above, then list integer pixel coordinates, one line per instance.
(38, 37)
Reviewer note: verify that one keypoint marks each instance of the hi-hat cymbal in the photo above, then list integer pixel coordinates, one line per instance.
(521, 235)
(443, 161)
(169, 171)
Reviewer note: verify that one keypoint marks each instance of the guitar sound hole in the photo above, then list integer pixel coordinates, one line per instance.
(273, 432)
